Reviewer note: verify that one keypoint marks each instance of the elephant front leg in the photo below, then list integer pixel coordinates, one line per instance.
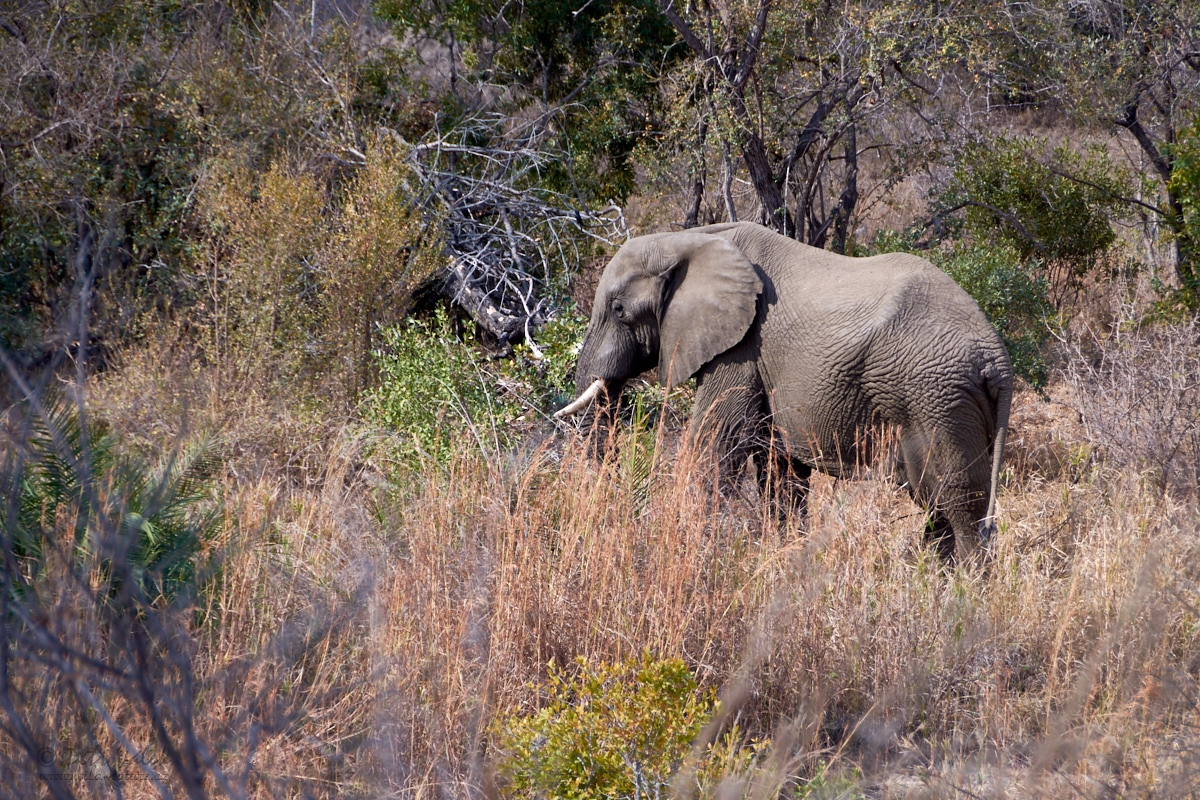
(728, 417)
(731, 422)
(783, 480)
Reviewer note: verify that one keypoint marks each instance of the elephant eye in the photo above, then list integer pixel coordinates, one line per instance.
(618, 308)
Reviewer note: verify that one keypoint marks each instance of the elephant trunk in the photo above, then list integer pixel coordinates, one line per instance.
(597, 384)
(606, 360)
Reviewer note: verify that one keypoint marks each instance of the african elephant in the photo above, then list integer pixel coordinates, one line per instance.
(812, 351)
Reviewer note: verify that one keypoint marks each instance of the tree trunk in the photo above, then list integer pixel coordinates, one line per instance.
(727, 184)
(693, 215)
(1184, 249)
(762, 178)
(849, 198)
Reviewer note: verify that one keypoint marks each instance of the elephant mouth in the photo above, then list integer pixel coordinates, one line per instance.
(585, 399)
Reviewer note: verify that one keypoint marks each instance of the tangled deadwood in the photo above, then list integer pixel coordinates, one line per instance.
(1136, 390)
(507, 235)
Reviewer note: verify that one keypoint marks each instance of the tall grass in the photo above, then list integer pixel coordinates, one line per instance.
(848, 642)
(368, 621)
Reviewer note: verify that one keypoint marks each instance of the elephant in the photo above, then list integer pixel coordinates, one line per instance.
(801, 355)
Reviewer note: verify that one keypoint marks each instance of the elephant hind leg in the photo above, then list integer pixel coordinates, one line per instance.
(949, 481)
(951, 530)
(939, 535)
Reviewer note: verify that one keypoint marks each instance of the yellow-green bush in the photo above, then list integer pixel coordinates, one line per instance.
(381, 251)
(613, 730)
(303, 280)
(635, 729)
(266, 233)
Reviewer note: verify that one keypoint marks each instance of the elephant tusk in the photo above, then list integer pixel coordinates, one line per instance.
(581, 402)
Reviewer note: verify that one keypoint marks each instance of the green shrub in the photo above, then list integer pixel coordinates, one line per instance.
(433, 389)
(114, 514)
(1011, 290)
(552, 377)
(823, 786)
(614, 730)
(1053, 204)
(1185, 186)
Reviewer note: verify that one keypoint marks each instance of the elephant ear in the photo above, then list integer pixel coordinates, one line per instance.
(709, 303)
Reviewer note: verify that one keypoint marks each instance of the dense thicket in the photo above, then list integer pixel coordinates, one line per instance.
(524, 123)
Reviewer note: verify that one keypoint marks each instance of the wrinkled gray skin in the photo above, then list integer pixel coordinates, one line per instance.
(799, 354)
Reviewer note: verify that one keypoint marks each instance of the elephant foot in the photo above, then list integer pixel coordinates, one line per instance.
(958, 542)
(986, 530)
(790, 506)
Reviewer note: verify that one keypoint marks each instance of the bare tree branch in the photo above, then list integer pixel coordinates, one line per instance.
(504, 231)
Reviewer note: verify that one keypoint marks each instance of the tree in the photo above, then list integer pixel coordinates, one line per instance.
(799, 89)
(1128, 65)
(581, 72)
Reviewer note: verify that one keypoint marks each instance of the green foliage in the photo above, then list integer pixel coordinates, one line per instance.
(1012, 293)
(113, 514)
(552, 377)
(1185, 186)
(1051, 204)
(824, 786)
(612, 731)
(1011, 290)
(433, 389)
(596, 61)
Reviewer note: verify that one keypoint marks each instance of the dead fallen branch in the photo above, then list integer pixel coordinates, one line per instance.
(507, 235)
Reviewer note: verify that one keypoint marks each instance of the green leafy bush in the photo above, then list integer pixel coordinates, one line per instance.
(1011, 290)
(1054, 204)
(1185, 186)
(433, 389)
(614, 730)
(118, 518)
(552, 376)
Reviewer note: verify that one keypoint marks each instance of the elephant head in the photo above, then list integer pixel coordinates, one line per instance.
(672, 301)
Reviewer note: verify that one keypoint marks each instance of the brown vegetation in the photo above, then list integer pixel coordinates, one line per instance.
(370, 631)
(212, 213)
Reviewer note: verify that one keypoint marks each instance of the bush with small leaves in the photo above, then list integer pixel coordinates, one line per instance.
(611, 731)
(551, 372)
(1185, 186)
(1054, 204)
(1012, 294)
(434, 389)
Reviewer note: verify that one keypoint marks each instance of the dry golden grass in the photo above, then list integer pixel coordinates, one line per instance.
(369, 622)
(849, 641)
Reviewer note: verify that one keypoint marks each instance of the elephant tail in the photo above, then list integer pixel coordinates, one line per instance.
(987, 526)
